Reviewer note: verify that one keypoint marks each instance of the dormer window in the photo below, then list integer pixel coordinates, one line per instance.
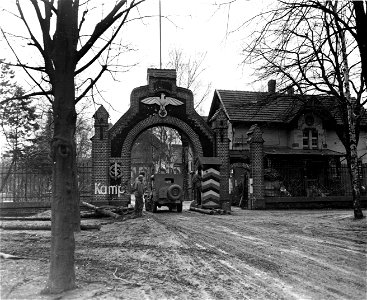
(310, 138)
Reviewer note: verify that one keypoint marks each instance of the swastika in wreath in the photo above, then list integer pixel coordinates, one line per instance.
(115, 170)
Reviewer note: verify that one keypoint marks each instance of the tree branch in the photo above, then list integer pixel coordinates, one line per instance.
(26, 96)
(41, 69)
(33, 38)
(92, 83)
(109, 42)
(100, 28)
(35, 81)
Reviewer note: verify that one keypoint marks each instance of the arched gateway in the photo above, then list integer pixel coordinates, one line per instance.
(160, 102)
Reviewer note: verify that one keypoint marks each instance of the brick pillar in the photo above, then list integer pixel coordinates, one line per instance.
(126, 179)
(100, 155)
(220, 127)
(185, 167)
(257, 200)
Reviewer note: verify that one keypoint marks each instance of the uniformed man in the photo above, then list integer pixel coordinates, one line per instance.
(196, 184)
(139, 193)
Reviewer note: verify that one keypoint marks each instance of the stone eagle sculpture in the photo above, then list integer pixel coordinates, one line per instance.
(162, 102)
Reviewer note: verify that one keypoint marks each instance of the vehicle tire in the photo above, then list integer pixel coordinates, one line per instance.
(154, 210)
(179, 207)
(174, 192)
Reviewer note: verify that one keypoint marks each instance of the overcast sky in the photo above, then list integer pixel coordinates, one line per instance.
(195, 26)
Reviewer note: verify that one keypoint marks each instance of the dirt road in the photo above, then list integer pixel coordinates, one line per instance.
(246, 255)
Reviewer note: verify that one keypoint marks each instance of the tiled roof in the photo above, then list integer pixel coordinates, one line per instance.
(270, 107)
(258, 106)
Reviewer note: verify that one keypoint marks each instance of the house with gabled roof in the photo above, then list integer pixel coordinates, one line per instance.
(302, 151)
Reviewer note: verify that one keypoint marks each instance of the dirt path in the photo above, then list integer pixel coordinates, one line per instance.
(247, 255)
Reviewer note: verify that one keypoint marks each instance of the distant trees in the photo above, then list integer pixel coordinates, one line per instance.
(158, 149)
(18, 123)
(38, 154)
(18, 117)
(167, 154)
(318, 47)
(83, 136)
(190, 72)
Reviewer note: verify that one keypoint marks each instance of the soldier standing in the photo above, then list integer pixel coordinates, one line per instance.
(196, 184)
(139, 193)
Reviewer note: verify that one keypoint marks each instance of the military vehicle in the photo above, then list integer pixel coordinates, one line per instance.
(166, 190)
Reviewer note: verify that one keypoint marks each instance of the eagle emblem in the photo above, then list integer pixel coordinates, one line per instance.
(162, 101)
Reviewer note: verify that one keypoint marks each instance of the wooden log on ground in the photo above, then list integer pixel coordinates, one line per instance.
(90, 215)
(45, 227)
(9, 256)
(82, 215)
(118, 210)
(101, 210)
(128, 210)
(25, 219)
(201, 210)
(221, 211)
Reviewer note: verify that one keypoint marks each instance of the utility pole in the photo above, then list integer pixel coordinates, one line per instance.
(160, 36)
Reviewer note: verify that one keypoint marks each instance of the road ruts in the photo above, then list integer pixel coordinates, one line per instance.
(275, 254)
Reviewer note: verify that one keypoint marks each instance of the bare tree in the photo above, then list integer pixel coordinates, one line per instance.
(165, 155)
(190, 71)
(318, 47)
(66, 52)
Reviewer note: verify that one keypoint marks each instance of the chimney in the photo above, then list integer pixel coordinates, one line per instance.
(271, 86)
(290, 90)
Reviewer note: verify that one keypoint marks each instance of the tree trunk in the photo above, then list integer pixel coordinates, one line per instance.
(354, 167)
(352, 115)
(65, 202)
(361, 30)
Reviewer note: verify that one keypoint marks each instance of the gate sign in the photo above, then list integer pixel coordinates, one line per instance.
(115, 170)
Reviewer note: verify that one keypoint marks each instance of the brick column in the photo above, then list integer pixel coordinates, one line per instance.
(100, 155)
(220, 127)
(126, 179)
(257, 200)
(185, 167)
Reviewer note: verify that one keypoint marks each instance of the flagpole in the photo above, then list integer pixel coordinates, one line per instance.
(160, 36)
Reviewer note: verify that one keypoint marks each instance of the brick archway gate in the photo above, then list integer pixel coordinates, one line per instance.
(159, 103)
(184, 130)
